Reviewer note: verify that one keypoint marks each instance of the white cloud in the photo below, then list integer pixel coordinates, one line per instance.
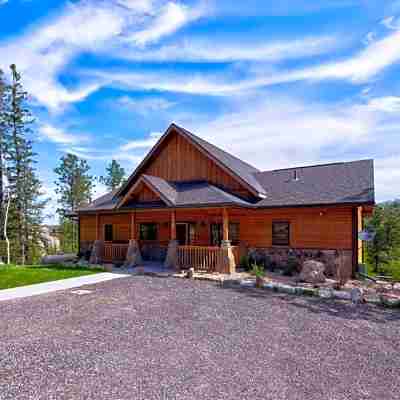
(389, 104)
(391, 23)
(57, 135)
(44, 51)
(387, 177)
(195, 49)
(172, 17)
(144, 106)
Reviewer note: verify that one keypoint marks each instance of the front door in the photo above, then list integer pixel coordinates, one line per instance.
(182, 234)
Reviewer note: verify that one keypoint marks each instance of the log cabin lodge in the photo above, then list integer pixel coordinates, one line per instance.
(191, 204)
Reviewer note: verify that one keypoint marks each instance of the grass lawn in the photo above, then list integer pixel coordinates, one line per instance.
(12, 276)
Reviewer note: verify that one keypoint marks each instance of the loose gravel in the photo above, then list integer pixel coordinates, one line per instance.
(151, 338)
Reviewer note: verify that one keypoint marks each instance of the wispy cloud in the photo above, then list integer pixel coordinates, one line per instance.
(172, 17)
(44, 51)
(143, 106)
(195, 49)
(57, 135)
(3, 2)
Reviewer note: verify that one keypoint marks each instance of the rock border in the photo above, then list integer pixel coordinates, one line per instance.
(355, 296)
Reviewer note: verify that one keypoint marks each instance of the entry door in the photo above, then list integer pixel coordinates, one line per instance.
(182, 234)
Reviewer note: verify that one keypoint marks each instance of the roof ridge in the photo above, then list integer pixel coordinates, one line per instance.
(215, 147)
(315, 165)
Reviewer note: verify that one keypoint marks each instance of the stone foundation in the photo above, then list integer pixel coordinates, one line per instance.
(278, 257)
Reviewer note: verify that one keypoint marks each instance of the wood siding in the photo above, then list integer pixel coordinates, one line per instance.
(145, 194)
(179, 160)
(310, 228)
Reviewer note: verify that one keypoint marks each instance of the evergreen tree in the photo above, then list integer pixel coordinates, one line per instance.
(74, 187)
(74, 184)
(115, 175)
(3, 91)
(23, 186)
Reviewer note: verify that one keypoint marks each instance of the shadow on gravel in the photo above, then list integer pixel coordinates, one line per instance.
(336, 308)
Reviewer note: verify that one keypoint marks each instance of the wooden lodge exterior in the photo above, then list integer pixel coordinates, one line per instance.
(191, 204)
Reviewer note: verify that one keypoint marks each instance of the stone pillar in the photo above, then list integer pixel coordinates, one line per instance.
(172, 255)
(97, 252)
(228, 264)
(133, 256)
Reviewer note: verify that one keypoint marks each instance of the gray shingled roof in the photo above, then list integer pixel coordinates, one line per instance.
(105, 202)
(338, 183)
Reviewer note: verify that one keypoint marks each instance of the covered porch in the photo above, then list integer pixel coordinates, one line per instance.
(203, 239)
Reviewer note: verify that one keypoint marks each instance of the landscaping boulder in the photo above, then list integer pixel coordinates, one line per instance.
(357, 295)
(312, 272)
(59, 259)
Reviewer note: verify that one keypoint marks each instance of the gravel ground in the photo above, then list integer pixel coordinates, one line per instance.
(150, 338)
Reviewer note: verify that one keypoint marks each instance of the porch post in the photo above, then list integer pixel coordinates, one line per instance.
(172, 253)
(228, 260)
(96, 255)
(133, 255)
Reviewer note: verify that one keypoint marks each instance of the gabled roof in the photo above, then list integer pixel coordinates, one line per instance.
(239, 169)
(337, 183)
(180, 194)
(106, 202)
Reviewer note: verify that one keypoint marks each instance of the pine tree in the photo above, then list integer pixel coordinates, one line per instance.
(115, 175)
(74, 187)
(74, 184)
(3, 91)
(24, 188)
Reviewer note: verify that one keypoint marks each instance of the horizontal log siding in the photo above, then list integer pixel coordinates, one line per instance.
(87, 228)
(179, 160)
(308, 228)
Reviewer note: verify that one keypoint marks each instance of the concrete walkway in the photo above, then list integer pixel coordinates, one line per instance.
(48, 287)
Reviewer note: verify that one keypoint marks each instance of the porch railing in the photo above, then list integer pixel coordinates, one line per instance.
(115, 252)
(207, 259)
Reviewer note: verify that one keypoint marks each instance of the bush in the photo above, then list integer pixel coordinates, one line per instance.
(292, 266)
(257, 271)
(245, 263)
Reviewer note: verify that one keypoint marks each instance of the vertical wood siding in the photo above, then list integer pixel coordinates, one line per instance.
(179, 160)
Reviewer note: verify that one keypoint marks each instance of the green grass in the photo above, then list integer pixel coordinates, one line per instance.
(392, 269)
(12, 276)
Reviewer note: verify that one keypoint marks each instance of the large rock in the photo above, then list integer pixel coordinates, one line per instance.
(312, 272)
(59, 259)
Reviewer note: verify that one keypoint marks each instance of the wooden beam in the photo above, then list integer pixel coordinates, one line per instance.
(97, 226)
(225, 229)
(133, 227)
(173, 225)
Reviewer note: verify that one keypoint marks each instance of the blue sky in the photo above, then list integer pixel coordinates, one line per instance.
(288, 84)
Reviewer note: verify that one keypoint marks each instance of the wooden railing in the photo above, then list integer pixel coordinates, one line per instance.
(207, 259)
(115, 252)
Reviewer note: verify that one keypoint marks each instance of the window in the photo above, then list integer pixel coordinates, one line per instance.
(216, 234)
(280, 233)
(108, 233)
(148, 231)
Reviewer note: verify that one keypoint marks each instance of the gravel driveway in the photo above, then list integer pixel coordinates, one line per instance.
(150, 338)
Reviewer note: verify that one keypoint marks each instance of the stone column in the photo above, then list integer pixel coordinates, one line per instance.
(133, 256)
(97, 252)
(228, 264)
(172, 253)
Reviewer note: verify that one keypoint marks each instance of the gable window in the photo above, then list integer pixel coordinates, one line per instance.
(280, 233)
(108, 233)
(148, 231)
(216, 234)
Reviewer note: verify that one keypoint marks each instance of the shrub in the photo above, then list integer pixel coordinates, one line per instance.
(292, 266)
(245, 262)
(257, 271)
